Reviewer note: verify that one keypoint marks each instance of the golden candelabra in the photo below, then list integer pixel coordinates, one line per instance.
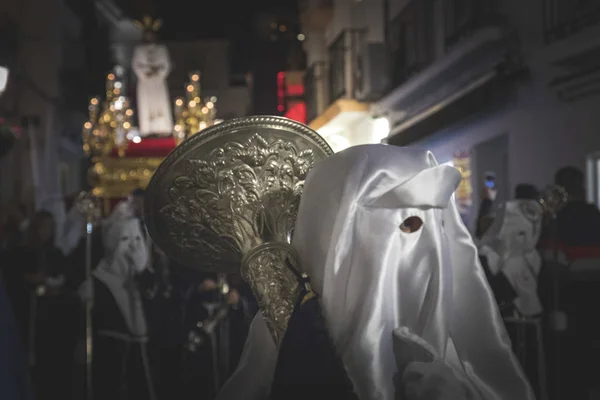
(192, 114)
(109, 121)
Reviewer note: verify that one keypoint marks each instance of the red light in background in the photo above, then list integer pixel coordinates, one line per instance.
(295, 90)
(289, 93)
(297, 112)
(280, 91)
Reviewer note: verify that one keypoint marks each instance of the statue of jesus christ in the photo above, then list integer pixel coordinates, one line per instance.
(151, 64)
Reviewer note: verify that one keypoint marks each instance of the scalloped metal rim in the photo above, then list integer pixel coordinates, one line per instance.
(217, 130)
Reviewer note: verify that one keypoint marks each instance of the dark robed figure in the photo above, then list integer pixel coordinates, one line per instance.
(121, 368)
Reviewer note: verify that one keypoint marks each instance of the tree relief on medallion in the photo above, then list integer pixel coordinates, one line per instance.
(243, 194)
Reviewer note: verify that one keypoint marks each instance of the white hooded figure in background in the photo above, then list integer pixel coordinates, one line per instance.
(510, 249)
(130, 208)
(404, 297)
(119, 324)
(125, 257)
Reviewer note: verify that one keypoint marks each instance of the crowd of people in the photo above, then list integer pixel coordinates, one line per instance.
(145, 310)
(148, 311)
(544, 267)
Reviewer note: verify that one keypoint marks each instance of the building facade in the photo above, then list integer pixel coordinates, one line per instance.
(346, 69)
(511, 88)
(47, 62)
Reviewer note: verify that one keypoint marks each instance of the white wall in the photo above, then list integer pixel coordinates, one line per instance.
(544, 133)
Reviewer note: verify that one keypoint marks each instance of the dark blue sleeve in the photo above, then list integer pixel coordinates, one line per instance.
(308, 366)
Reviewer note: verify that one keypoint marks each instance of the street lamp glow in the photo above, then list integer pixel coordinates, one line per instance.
(381, 129)
(300, 37)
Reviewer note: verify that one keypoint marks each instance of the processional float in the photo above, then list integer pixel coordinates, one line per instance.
(121, 160)
(226, 200)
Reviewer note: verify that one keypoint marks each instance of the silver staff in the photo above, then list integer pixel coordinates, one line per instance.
(88, 206)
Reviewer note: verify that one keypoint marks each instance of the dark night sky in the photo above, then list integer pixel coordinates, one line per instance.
(232, 19)
(201, 18)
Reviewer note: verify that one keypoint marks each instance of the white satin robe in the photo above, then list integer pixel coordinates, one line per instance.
(381, 289)
(151, 64)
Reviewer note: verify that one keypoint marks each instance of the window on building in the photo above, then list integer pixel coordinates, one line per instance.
(343, 54)
(411, 40)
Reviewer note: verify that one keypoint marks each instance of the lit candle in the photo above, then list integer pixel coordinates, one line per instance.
(178, 105)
